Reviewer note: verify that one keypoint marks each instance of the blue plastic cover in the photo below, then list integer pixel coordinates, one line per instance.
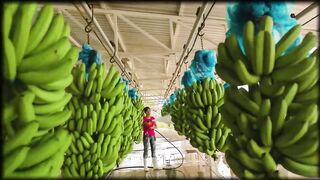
(188, 78)
(239, 13)
(202, 66)
(88, 56)
(133, 94)
(226, 85)
(126, 89)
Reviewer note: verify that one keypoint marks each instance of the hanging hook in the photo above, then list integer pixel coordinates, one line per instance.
(88, 27)
(112, 60)
(201, 39)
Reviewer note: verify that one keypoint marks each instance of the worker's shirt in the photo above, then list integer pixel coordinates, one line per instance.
(147, 128)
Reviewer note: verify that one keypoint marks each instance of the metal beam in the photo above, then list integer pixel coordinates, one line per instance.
(146, 54)
(153, 79)
(140, 14)
(191, 36)
(110, 48)
(115, 33)
(114, 27)
(171, 34)
(144, 32)
(190, 28)
(306, 10)
(75, 42)
(177, 29)
(66, 13)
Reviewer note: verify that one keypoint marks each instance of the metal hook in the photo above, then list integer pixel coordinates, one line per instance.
(201, 39)
(88, 27)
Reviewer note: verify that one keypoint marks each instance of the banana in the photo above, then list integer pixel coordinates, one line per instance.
(53, 54)
(209, 117)
(59, 84)
(46, 96)
(66, 30)
(234, 164)
(8, 14)
(53, 34)
(224, 57)
(299, 168)
(45, 149)
(25, 109)
(53, 120)
(248, 40)
(240, 96)
(204, 98)
(271, 89)
(21, 28)
(15, 159)
(269, 52)
(22, 137)
(266, 24)
(304, 147)
(291, 133)
(257, 63)
(293, 72)
(268, 162)
(310, 96)
(226, 75)
(85, 143)
(290, 93)
(256, 149)
(278, 115)
(234, 49)
(52, 107)
(299, 53)
(109, 93)
(244, 75)
(110, 74)
(40, 27)
(10, 61)
(198, 99)
(249, 162)
(57, 72)
(286, 40)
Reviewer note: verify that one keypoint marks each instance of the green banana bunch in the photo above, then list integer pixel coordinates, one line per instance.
(206, 130)
(178, 114)
(38, 59)
(102, 124)
(274, 122)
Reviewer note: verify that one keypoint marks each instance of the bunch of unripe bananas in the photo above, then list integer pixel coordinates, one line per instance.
(37, 63)
(127, 135)
(178, 114)
(137, 117)
(96, 122)
(275, 121)
(204, 100)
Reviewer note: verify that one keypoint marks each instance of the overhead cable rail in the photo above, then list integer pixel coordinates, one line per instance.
(183, 59)
(109, 46)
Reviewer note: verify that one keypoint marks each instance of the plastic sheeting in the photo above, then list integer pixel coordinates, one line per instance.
(88, 56)
(133, 94)
(202, 65)
(188, 78)
(239, 13)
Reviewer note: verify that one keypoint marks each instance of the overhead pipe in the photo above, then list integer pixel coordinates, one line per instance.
(105, 38)
(192, 35)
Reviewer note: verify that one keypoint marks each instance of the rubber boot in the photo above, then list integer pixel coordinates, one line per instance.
(155, 164)
(145, 165)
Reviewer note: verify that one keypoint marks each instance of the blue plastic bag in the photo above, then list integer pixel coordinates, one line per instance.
(188, 78)
(239, 13)
(88, 56)
(202, 66)
(133, 94)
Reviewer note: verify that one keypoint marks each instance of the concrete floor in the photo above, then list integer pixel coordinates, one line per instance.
(196, 164)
